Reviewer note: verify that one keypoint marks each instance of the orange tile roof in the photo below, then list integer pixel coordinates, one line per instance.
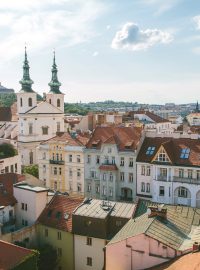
(11, 255)
(6, 188)
(173, 148)
(65, 137)
(54, 214)
(119, 135)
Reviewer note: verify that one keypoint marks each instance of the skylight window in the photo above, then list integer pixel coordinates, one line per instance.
(49, 213)
(185, 153)
(58, 215)
(150, 150)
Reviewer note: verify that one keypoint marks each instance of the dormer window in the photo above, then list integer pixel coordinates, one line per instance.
(162, 156)
(185, 152)
(150, 150)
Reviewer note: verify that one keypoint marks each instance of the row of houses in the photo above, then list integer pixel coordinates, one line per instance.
(122, 163)
(97, 234)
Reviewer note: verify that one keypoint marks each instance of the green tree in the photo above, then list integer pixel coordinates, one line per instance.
(48, 259)
(32, 169)
(7, 150)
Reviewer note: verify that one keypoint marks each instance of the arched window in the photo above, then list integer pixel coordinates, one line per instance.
(58, 102)
(30, 102)
(21, 103)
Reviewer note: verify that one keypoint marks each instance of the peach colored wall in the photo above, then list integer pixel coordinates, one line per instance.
(133, 253)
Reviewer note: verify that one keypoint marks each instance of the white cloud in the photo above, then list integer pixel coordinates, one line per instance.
(95, 53)
(161, 6)
(196, 20)
(132, 38)
(45, 24)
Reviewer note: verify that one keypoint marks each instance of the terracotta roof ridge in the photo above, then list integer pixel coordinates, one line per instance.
(13, 245)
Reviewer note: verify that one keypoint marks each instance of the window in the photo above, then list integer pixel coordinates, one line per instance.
(55, 185)
(44, 155)
(78, 173)
(49, 101)
(190, 174)
(93, 174)
(25, 207)
(130, 162)
(6, 169)
(185, 152)
(162, 156)
(60, 171)
(111, 177)
(148, 188)
(198, 174)
(109, 150)
(70, 172)
(44, 168)
(148, 173)
(106, 160)
(78, 187)
(182, 192)
(78, 158)
(142, 170)
(110, 192)
(104, 176)
(30, 128)
(142, 187)
(58, 102)
(89, 241)
(25, 223)
(11, 168)
(58, 214)
(46, 232)
(88, 159)
(89, 188)
(163, 172)
(59, 235)
(162, 191)
(97, 189)
(45, 182)
(150, 150)
(89, 261)
(122, 162)
(59, 252)
(21, 103)
(181, 173)
(113, 160)
(30, 102)
(97, 159)
(54, 170)
(45, 130)
(22, 206)
(104, 190)
(70, 158)
(122, 176)
(15, 167)
(31, 157)
(58, 126)
(130, 177)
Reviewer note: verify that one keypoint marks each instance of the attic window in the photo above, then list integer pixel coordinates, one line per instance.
(49, 213)
(66, 216)
(150, 150)
(185, 153)
(128, 145)
(95, 143)
(58, 215)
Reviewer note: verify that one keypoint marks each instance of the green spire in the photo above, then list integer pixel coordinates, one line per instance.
(54, 83)
(26, 81)
(197, 108)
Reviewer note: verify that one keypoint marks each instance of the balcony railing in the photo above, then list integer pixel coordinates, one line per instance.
(59, 162)
(9, 222)
(187, 180)
(162, 178)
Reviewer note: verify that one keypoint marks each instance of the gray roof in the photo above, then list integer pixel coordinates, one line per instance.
(5, 90)
(101, 209)
(172, 232)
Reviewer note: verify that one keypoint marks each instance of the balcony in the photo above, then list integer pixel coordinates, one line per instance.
(186, 180)
(162, 177)
(58, 162)
(9, 222)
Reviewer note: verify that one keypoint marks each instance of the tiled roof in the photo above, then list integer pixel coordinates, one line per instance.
(58, 213)
(172, 231)
(154, 117)
(119, 135)
(66, 138)
(11, 255)
(173, 148)
(6, 188)
(110, 167)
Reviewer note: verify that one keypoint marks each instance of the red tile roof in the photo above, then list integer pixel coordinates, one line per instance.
(54, 214)
(173, 148)
(119, 135)
(6, 188)
(11, 255)
(65, 137)
(108, 167)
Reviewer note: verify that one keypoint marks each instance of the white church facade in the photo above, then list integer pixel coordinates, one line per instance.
(38, 121)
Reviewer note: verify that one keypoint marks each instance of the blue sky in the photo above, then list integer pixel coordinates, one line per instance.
(132, 50)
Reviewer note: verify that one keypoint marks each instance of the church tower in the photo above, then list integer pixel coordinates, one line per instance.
(26, 97)
(55, 97)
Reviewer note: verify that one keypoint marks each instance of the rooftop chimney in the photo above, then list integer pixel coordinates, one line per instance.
(157, 211)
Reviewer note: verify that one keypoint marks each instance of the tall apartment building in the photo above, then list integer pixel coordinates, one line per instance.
(110, 163)
(61, 163)
(168, 170)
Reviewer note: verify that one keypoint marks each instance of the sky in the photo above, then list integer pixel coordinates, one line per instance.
(145, 51)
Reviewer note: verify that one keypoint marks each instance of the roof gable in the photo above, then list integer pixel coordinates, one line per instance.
(161, 156)
(44, 108)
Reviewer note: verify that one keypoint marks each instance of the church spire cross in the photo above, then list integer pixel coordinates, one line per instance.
(26, 81)
(54, 83)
